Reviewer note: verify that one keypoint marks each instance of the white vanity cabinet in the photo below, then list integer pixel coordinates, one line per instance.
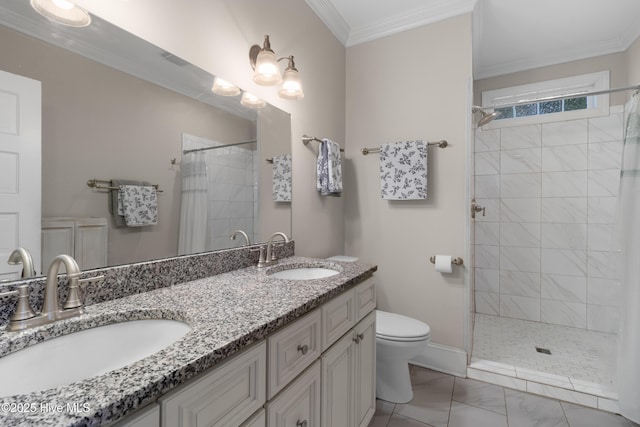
(348, 366)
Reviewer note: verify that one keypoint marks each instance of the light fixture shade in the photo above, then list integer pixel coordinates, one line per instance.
(251, 101)
(267, 71)
(291, 85)
(224, 88)
(63, 12)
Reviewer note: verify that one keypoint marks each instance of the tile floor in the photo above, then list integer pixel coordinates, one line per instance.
(442, 400)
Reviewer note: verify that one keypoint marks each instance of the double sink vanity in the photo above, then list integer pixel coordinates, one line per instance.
(206, 339)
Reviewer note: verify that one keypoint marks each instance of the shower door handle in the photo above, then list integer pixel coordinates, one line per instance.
(475, 208)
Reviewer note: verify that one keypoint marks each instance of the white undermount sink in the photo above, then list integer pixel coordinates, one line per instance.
(304, 273)
(85, 354)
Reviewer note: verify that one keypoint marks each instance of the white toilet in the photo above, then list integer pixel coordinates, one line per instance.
(398, 339)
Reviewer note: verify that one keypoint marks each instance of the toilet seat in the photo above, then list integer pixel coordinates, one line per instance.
(396, 327)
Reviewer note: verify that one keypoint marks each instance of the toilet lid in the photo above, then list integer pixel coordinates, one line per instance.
(396, 327)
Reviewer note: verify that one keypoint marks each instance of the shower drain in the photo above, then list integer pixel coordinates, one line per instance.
(543, 350)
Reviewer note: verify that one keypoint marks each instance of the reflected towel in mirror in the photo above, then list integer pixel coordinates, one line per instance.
(138, 204)
(282, 178)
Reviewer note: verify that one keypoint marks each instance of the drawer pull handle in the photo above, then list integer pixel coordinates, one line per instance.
(301, 423)
(358, 338)
(361, 336)
(303, 349)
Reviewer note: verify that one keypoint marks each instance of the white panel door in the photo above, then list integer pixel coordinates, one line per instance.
(20, 166)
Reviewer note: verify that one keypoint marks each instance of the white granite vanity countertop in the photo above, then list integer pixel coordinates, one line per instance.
(226, 313)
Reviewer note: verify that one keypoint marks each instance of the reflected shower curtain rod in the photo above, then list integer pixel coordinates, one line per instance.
(559, 97)
(193, 150)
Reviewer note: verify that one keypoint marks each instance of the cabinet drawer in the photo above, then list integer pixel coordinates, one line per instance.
(146, 417)
(226, 396)
(365, 298)
(258, 420)
(299, 403)
(292, 349)
(338, 316)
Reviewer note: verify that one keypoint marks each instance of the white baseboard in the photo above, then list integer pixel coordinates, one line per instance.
(441, 358)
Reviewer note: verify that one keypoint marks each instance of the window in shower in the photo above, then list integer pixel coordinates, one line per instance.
(548, 110)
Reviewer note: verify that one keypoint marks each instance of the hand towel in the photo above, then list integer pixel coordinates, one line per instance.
(329, 169)
(282, 178)
(138, 204)
(403, 170)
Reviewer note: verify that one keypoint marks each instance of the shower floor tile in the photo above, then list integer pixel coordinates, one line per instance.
(578, 356)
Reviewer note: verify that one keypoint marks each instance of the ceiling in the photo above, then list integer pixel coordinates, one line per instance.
(508, 35)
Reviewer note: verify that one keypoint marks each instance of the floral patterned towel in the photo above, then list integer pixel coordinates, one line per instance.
(403, 170)
(138, 204)
(329, 169)
(282, 178)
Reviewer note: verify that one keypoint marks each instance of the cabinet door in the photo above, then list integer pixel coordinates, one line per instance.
(338, 316)
(258, 420)
(147, 417)
(299, 404)
(365, 367)
(225, 396)
(338, 383)
(365, 298)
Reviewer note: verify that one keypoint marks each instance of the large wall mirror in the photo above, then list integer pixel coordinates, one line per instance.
(116, 108)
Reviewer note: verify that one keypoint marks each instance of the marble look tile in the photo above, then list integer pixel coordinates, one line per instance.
(588, 417)
(487, 186)
(602, 210)
(564, 288)
(487, 140)
(604, 183)
(520, 210)
(505, 381)
(431, 397)
(605, 155)
(487, 302)
(470, 416)
(480, 395)
(609, 405)
(520, 259)
(602, 237)
(491, 211)
(400, 421)
(487, 279)
(593, 388)
(514, 138)
(487, 163)
(520, 185)
(383, 413)
(494, 367)
(606, 128)
(564, 184)
(544, 378)
(564, 158)
(487, 256)
(520, 161)
(564, 313)
(564, 133)
(564, 262)
(604, 265)
(520, 307)
(487, 233)
(525, 234)
(526, 410)
(603, 318)
(564, 236)
(604, 292)
(564, 210)
(520, 283)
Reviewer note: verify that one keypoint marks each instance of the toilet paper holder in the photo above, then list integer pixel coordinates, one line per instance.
(456, 261)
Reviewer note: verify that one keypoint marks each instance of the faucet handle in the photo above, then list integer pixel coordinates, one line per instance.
(23, 309)
(74, 300)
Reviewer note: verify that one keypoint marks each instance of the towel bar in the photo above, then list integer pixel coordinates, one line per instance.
(306, 139)
(441, 144)
(94, 183)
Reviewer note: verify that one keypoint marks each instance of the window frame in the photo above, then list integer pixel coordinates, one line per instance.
(596, 105)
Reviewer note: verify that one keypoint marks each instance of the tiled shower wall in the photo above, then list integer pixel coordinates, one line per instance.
(544, 251)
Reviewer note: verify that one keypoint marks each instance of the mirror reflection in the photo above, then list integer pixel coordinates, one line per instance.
(124, 110)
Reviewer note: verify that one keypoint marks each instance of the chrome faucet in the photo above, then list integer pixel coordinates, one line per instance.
(270, 258)
(246, 238)
(24, 317)
(22, 256)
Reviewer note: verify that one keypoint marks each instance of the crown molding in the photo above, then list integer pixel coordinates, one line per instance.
(328, 14)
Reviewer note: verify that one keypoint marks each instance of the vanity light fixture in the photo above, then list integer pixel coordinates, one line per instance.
(224, 88)
(267, 71)
(63, 12)
(251, 101)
